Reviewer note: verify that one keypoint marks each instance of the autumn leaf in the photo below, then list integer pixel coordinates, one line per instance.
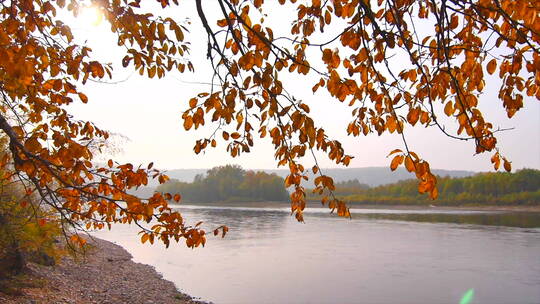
(394, 151)
(409, 164)
(83, 97)
(449, 109)
(507, 165)
(188, 122)
(491, 66)
(396, 161)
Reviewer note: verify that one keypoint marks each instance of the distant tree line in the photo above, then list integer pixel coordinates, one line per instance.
(229, 183)
(519, 188)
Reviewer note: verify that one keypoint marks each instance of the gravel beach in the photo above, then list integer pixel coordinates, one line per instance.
(106, 274)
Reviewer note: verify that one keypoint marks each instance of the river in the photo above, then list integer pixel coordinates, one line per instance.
(380, 256)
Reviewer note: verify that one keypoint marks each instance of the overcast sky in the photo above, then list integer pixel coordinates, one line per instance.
(148, 112)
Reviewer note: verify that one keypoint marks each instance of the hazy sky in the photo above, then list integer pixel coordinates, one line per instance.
(148, 112)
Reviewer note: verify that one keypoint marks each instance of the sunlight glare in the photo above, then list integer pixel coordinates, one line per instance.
(467, 297)
(90, 16)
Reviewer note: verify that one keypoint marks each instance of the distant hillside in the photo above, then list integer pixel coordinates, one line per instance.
(185, 175)
(372, 176)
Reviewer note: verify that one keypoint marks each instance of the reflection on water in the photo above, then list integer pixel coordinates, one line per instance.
(492, 218)
(513, 219)
(379, 257)
(243, 222)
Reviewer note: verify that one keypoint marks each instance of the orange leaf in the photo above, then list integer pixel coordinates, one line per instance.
(394, 151)
(225, 230)
(507, 165)
(396, 162)
(188, 122)
(193, 103)
(409, 164)
(83, 97)
(449, 109)
(434, 193)
(496, 161)
(491, 66)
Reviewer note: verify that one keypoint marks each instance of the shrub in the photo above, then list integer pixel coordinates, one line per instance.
(28, 232)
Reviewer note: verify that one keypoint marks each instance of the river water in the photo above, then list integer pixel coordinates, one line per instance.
(380, 256)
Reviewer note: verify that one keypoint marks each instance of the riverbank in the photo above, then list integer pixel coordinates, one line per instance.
(316, 204)
(106, 274)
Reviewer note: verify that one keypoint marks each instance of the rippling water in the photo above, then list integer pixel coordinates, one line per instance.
(378, 257)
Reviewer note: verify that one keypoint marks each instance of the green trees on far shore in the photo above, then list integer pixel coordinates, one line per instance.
(519, 188)
(229, 183)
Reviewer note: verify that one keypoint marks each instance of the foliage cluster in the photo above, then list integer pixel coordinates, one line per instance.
(229, 183)
(519, 188)
(354, 46)
(372, 56)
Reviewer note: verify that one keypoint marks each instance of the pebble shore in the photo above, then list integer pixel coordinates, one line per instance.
(105, 275)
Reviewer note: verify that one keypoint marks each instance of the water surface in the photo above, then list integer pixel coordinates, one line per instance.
(392, 256)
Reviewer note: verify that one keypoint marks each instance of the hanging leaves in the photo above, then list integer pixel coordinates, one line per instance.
(386, 90)
(41, 72)
(389, 75)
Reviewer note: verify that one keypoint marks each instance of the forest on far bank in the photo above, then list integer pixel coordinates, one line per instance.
(229, 183)
(500, 188)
